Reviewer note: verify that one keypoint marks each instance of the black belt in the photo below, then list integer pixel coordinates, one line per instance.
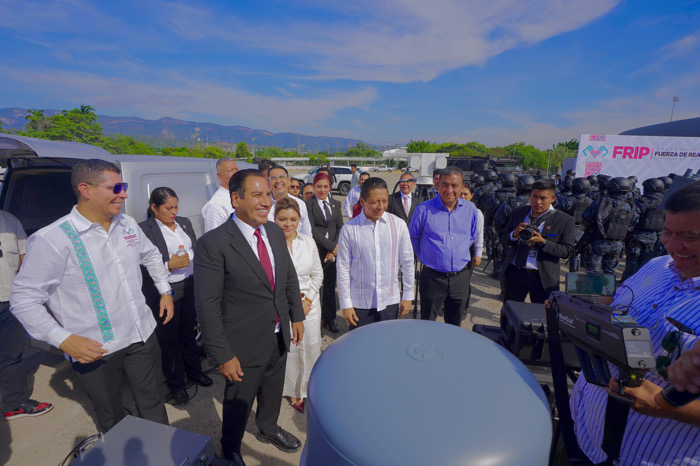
(450, 274)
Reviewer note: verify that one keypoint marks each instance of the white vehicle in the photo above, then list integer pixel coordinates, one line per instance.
(36, 187)
(343, 177)
(383, 168)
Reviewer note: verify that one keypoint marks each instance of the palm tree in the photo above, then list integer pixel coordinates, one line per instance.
(85, 109)
(37, 120)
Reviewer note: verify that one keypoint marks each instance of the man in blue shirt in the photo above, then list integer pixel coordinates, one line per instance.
(443, 231)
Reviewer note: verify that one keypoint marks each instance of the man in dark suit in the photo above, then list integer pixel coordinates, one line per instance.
(533, 265)
(246, 293)
(326, 220)
(403, 203)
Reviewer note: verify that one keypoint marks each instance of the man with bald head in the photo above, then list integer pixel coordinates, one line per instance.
(219, 208)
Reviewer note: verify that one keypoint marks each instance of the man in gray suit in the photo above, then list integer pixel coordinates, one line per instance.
(246, 294)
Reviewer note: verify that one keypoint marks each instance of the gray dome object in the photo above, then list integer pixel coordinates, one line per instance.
(490, 175)
(497, 412)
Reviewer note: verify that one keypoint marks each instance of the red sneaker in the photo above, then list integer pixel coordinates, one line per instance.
(27, 409)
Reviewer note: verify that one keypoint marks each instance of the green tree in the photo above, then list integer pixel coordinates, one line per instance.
(36, 121)
(86, 110)
(215, 152)
(242, 151)
(571, 145)
(419, 146)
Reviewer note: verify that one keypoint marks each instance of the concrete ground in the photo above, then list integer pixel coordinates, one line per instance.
(46, 440)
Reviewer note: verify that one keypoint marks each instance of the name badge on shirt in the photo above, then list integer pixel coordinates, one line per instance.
(130, 236)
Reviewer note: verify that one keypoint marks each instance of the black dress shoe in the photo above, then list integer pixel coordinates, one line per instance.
(180, 396)
(331, 326)
(234, 457)
(281, 439)
(204, 381)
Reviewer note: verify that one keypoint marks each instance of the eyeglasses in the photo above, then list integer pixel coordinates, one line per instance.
(670, 343)
(116, 189)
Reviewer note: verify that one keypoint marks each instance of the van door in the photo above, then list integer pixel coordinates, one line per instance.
(192, 180)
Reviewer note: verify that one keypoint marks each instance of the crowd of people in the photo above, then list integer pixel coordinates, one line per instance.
(119, 296)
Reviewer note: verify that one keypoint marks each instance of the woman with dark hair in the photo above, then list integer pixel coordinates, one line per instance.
(301, 359)
(326, 219)
(175, 239)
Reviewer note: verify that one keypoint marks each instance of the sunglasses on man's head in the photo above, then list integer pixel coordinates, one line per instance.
(116, 189)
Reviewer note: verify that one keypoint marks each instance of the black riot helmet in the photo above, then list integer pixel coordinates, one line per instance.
(566, 184)
(667, 181)
(620, 185)
(653, 185)
(581, 185)
(604, 181)
(490, 175)
(480, 180)
(571, 173)
(508, 180)
(473, 177)
(633, 179)
(525, 183)
(593, 180)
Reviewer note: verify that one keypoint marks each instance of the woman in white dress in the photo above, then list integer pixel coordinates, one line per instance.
(302, 248)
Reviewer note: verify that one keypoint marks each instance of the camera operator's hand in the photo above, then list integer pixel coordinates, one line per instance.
(521, 227)
(684, 373)
(537, 238)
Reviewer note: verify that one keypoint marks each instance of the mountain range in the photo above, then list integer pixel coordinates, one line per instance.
(171, 132)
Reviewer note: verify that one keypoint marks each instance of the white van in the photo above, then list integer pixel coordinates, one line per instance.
(36, 187)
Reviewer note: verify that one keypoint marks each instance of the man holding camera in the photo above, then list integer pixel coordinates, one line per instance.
(540, 236)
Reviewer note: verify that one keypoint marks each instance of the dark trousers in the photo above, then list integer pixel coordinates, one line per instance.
(178, 348)
(520, 282)
(102, 380)
(444, 291)
(369, 316)
(265, 382)
(328, 307)
(13, 375)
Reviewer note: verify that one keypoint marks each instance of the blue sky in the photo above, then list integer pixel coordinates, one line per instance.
(384, 71)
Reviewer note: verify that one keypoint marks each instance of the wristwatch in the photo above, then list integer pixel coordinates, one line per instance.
(306, 298)
(168, 293)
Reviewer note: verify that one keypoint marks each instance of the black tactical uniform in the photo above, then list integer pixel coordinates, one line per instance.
(578, 201)
(490, 178)
(607, 222)
(643, 240)
(494, 201)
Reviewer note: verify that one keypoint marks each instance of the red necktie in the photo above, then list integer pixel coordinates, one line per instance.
(265, 262)
(265, 258)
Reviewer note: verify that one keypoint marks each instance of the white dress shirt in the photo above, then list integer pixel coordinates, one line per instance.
(350, 201)
(532, 254)
(13, 244)
(304, 223)
(249, 234)
(54, 273)
(369, 256)
(217, 210)
(479, 241)
(173, 240)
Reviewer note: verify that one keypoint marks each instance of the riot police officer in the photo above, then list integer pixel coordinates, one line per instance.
(635, 193)
(607, 222)
(578, 201)
(594, 193)
(489, 186)
(491, 205)
(641, 242)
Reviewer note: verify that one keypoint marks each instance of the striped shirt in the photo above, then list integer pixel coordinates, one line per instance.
(369, 255)
(657, 291)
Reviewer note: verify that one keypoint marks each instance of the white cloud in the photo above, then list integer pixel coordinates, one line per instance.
(172, 94)
(395, 40)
